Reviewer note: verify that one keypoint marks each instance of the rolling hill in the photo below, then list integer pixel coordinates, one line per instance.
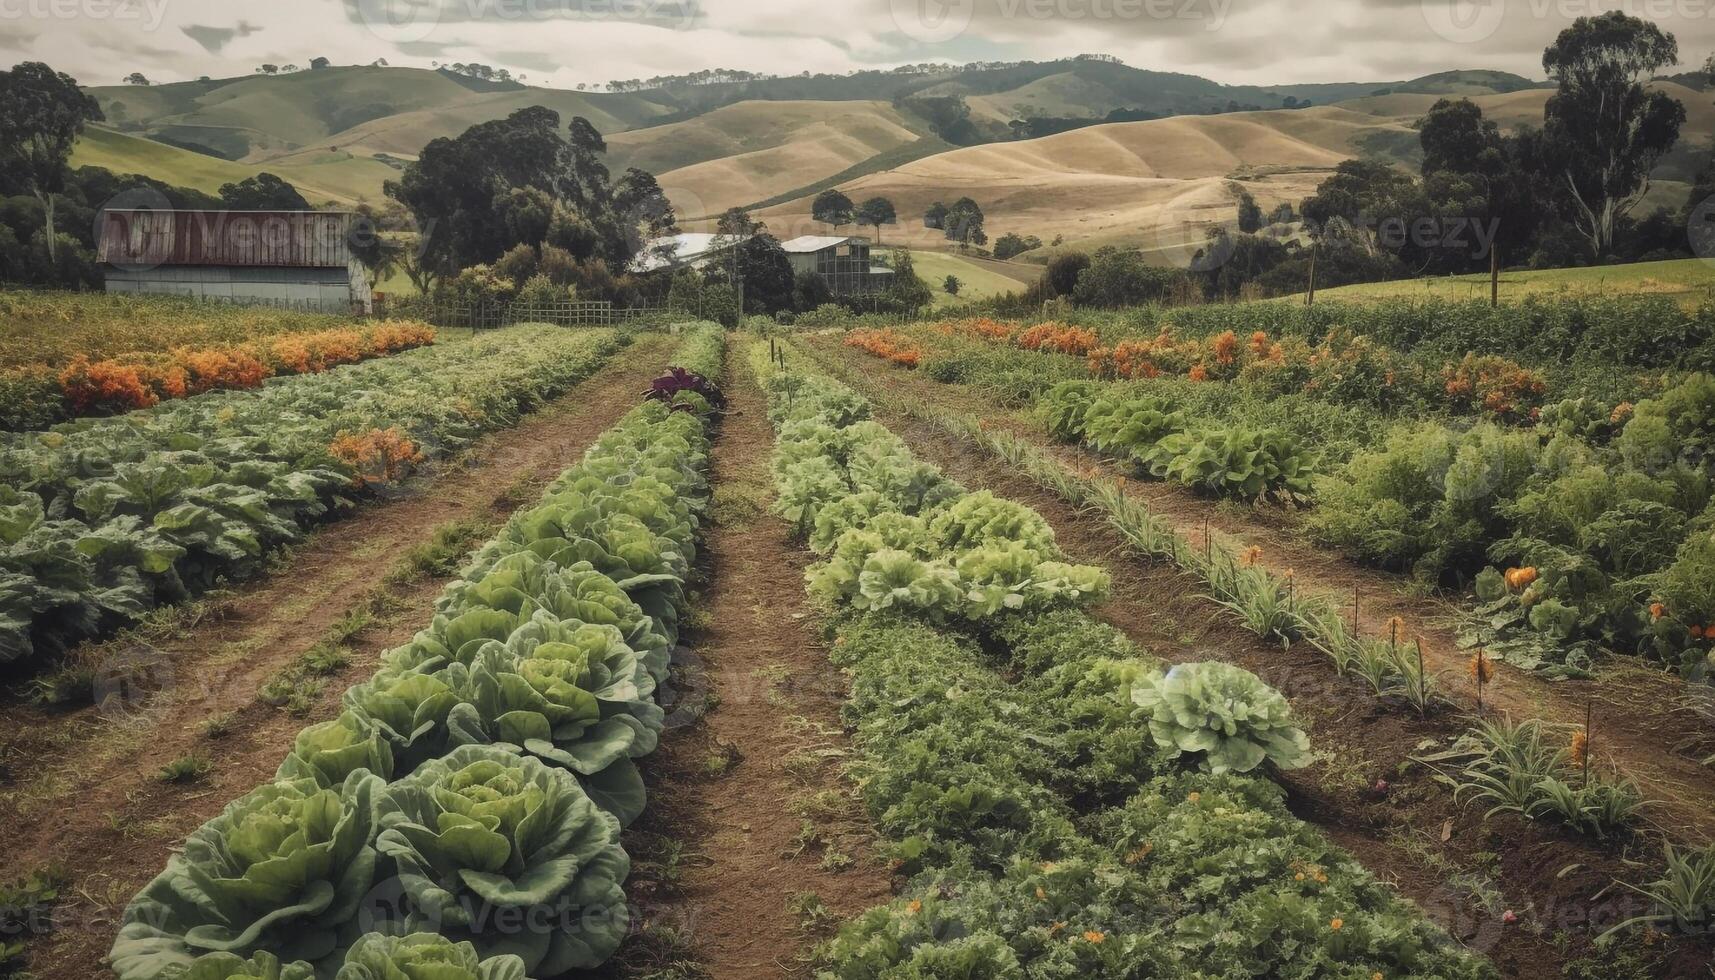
(1159, 184)
(773, 143)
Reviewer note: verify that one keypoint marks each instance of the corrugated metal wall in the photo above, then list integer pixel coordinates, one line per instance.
(280, 239)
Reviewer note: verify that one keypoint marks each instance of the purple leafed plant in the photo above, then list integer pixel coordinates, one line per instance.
(677, 379)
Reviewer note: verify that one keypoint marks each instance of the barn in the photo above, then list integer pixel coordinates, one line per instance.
(297, 259)
(845, 262)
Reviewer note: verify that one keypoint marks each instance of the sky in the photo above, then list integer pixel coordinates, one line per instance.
(562, 43)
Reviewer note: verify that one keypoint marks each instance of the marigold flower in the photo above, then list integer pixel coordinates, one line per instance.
(1657, 610)
(1336, 924)
(1199, 373)
(914, 906)
(1481, 668)
(1094, 936)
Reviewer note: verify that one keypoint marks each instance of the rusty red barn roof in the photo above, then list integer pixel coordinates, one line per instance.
(279, 239)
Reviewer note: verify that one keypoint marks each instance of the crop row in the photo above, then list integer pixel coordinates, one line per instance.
(461, 818)
(1062, 807)
(103, 520)
(1604, 516)
(49, 328)
(36, 397)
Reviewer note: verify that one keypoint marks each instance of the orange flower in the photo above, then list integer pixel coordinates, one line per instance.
(1199, 373)
(1697, 632)
(1194, 797)
(1657, 610)
(1252, 555)
(1226, 348)
(1056, 928)
(914, 906)
(1580, 748)
(1621, 412)
(1095, 937)
(1481, 668)
(1336, 924)
(1519, 579)
(376, 456)
(1259, 343)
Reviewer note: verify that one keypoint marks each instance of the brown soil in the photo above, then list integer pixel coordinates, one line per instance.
(737, 786)
(1465, 872)
(80, 789)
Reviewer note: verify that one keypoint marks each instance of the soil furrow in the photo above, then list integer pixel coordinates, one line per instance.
(82, 790)
(753, 789)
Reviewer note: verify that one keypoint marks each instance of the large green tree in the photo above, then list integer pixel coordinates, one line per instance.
(42, 112)
(515, 181)
(1474, 174)
(263, 192)
(833, 208)
(877, 211)
(1604, 128)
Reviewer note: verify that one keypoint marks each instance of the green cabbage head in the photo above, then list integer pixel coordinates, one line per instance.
(262, 966)
(424, 956)
(283, 868)
(509, 854)
(1225, 714)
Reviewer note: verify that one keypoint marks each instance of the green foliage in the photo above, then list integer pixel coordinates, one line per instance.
(1234, 462)
(507, 729)
(482, 837)
(424, 956)
(1224, 715)
(200, 490)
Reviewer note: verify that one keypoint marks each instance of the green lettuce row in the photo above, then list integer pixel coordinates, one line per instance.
(102, 520)
(475, 788)
(896, 532)
(1084, 820)
(1159, 439)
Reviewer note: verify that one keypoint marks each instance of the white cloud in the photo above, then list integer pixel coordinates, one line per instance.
(568, 41)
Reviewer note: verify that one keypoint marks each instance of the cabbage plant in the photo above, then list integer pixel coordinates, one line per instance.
(262, 966)
(282, 869)
(509, 854)
(424, 956)
(1223, 714)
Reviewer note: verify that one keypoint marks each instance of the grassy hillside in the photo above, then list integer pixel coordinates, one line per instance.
(1690, 281)
(369, 110)
(978, 279)
(744, 153)
(340, 178)
(1160, 184)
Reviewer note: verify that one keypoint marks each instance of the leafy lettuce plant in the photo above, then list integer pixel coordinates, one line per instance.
(283, 869)
(262, 966)
(510, 855)
(424, 956)
(679, 381)
(1224, 715)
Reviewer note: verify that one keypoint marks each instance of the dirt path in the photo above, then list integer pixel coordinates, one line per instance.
(1655, 727)
(1464, 872)
(81, 790)
(753, 788)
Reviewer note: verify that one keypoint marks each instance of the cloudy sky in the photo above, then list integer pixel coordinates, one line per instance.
(565, 42)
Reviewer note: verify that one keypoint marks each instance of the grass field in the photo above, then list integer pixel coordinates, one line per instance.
(978, 281)
(337, 177)
(1690, 281)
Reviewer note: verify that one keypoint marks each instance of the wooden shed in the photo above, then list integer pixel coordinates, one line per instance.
(298, 259)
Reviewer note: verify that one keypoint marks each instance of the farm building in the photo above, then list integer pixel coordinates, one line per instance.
(846, 263)
(297, 259)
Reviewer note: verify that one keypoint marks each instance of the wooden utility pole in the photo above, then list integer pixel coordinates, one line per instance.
(1310, 297)
(1494, 275)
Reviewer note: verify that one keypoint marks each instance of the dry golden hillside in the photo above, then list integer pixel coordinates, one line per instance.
(1160, 184)
(752, 151)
